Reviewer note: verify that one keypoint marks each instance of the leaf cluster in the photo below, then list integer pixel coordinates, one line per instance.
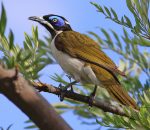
(31, 58)
(139, 9)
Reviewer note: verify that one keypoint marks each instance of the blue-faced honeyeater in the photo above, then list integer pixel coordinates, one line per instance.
(81, 57)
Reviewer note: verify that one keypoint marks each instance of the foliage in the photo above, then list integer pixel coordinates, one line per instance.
(139, 9)
(31, 58)
(134, 54)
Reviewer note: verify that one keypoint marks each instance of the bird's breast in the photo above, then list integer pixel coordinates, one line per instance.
(70, 65)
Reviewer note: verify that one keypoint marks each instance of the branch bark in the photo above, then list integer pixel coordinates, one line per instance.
(105, 106)
(26, 98)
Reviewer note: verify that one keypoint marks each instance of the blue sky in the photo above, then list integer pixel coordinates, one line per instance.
(82, 17)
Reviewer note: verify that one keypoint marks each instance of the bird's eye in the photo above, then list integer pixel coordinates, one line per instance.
(55, 20)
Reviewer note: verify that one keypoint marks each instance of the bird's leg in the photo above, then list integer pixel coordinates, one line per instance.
(92, 96)
(70, 82)
(64, 89)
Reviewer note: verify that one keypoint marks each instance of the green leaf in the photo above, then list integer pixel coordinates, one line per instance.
(130, 6)
(118, 40)
(107, 10)
(114, 13)
(28, 42)
(147, 100)
(11, 40)
(35, 36)
(100, 9)
(122, 20)
(31, 127)
(27, 57)
(3, 21)
(100, 41)
(59, 79)
(18, 55)
(108, 38)
(102, 123)
(143, 42)
(136, 29)
(62, 106)
(128, 21)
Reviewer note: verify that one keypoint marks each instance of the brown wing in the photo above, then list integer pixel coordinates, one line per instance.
(80, 46)
(110, 83)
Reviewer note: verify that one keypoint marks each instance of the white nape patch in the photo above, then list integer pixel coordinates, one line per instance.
(67, 22)
(73, 66)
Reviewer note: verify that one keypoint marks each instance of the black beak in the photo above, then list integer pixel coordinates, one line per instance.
(37, 19)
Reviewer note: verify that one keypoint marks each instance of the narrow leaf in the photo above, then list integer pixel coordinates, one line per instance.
(3, 20)
(114, 13)
(128, 21)
(107, 10)
(11, 39)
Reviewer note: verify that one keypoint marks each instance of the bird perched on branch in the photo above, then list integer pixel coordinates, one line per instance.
(81, 57)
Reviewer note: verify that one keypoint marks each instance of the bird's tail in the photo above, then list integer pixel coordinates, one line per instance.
(119, 94)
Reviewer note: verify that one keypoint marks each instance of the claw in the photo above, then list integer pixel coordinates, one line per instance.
(60, 86)
(92, 96)
(62, 92)
(62, 95)
(64, 89)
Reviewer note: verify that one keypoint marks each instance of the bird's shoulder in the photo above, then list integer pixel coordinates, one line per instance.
(74, 39)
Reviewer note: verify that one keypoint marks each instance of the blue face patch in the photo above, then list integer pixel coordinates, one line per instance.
(57, 21)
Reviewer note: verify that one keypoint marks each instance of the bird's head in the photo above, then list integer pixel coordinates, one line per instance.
(53, 23)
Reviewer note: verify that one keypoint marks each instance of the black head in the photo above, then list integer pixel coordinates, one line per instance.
(53, 23)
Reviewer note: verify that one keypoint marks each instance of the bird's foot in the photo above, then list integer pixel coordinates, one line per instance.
(62, 92)
(63, 89)
(92, 96)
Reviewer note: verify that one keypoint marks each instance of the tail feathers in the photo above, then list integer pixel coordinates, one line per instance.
(119, 94)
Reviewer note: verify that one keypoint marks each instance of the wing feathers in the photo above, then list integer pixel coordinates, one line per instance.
(82, 47)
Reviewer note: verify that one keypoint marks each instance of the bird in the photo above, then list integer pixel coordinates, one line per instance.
(81, 58)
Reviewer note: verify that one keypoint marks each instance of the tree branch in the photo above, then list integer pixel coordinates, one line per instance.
(105, 106)
(26, 98)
